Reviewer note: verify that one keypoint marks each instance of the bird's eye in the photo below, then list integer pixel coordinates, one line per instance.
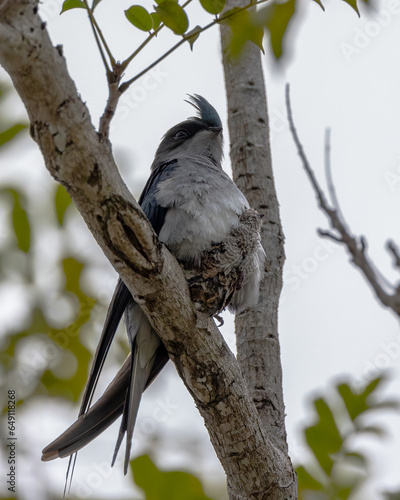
(181, 134)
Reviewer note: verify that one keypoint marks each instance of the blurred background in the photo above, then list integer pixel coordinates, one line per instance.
(336, 339)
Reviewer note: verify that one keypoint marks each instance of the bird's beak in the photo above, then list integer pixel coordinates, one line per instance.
(217, 130)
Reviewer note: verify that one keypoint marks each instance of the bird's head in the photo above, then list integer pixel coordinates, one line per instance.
(199, 135)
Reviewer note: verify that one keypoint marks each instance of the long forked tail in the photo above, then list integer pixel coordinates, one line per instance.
(146, 349)
(102, 414)
(123, 394)
(89, 425)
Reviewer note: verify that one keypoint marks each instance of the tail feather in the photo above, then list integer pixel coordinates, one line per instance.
(88, 426)
(122, 396)
(144, 347)
(139, 377)
(115, 311)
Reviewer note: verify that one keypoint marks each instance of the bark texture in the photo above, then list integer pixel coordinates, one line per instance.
(258, 349)
(77, 157)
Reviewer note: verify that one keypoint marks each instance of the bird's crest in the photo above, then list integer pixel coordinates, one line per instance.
(206, 112)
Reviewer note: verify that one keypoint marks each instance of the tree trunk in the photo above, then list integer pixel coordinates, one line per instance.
(258, 349)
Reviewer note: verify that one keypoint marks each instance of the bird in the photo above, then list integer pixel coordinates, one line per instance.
(206, 222)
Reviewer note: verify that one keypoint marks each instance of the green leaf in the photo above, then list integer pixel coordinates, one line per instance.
(173, 16)
(213, 6)
(9, 134)
(324, 438)
(156, 20)
(155, 483)
(360, 403)
(72, 4)
(139, 17)
(245, 28)
(62, 201)
(355, 404)
(72, 271)
(159, 2)
(344, 493)
(276, 18)
(95, 4)
(229, 15)
(353, 4)
(307, 481)
(193, 35)
(20, 220)
(320, 4)
(21, 225)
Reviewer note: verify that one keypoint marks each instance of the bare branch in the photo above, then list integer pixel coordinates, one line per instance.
(327, 234)
(356, 246)
(114, 95)
(328, 172)
(394, 250)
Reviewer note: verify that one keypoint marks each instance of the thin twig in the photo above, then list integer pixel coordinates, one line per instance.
(97, 32)
(124, 86)
(127, 61)
(328, 234)
(356, 246)
(328, 170)
(394, 250)
(300, 150)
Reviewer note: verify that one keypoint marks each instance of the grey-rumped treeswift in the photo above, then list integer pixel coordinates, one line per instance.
(194, 207)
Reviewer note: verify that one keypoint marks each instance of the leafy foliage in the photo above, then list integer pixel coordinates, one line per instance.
(276, 18)
(139, 17)
(11, 132)
(173, 16)
(62, 201)
(47, 344)
(247, 23)
(72, 4)
(213, 6)
(50, 348)
(19, 217)
(245, 27)
(353, 4)
(337, 470)
(155, 483)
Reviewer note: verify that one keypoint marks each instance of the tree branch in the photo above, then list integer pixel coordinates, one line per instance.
(356, 246)
(77, 158)
(394, 250)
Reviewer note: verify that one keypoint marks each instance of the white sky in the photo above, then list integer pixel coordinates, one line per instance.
(344, 73)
